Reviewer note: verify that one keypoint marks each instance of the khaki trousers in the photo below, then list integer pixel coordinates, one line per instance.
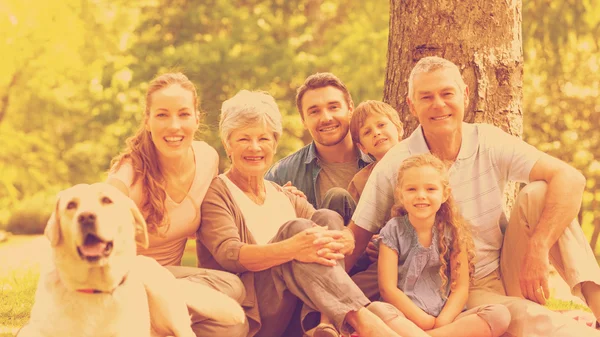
(328, 290)
(224, 282)
(571, 256)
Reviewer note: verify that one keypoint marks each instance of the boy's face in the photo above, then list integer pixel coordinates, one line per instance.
(377, 135)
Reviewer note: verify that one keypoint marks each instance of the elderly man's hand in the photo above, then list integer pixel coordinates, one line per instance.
(534, 273)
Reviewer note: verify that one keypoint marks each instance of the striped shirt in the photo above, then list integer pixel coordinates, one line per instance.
(487, 160)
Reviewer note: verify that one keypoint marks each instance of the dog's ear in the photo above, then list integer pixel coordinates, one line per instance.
(52, 230)
(141, 229)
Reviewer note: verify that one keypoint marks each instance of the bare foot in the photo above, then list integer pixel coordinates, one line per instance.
(368, 324)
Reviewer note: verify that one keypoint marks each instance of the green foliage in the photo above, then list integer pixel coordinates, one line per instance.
(73, 75)
(561, 86)
(31, 214)
(72, 89)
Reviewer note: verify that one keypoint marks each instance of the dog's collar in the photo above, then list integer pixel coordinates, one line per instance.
(97, 291)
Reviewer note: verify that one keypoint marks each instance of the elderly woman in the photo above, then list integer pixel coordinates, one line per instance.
(280, 246)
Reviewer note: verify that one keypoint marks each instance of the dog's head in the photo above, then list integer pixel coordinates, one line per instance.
(96, 222)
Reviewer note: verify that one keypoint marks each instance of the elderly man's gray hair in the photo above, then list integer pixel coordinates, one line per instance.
(249, 108)
(429, 64)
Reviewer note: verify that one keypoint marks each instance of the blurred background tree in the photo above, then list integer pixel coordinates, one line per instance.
(73, 75)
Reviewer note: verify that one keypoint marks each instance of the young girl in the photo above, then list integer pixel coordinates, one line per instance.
(425, 258)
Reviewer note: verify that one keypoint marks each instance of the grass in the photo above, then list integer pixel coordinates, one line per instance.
(22, 256)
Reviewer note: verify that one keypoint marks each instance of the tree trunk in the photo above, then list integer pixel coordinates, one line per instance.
(483, 38)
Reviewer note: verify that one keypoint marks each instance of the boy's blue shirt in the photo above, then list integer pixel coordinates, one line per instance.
(302, 169)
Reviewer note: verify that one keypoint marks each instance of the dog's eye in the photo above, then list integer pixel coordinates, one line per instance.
(106, 201)
(71, 205)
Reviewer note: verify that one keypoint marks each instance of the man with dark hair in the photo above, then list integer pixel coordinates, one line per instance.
(324, 168)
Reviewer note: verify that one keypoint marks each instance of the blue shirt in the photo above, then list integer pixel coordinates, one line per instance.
(302, 169)
(418, 266)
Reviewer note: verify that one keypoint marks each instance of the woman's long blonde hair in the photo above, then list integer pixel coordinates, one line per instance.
(447, 217)
(142, 152)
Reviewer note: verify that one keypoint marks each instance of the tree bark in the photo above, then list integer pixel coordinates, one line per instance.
(483, 38)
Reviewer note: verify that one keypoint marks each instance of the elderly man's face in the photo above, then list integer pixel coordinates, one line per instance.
(438, 102)
(251, 149)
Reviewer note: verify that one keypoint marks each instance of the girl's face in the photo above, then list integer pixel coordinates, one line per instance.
(422, 193)
(377, 135)
(172, 121)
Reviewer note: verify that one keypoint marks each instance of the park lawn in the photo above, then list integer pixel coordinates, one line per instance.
(20, 270)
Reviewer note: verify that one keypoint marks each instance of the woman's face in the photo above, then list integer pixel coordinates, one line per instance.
(172, 121)
(251, 149)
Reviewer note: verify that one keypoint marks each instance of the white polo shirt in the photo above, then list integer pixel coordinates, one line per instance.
(487, 160)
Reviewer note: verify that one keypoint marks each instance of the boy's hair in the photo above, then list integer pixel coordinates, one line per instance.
(368, 108)
(447, 220)
(321, 80)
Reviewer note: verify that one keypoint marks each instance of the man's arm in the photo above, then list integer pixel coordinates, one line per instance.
(563, 200)
(361, 240)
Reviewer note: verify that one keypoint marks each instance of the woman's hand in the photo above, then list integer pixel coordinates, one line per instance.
(317, 245)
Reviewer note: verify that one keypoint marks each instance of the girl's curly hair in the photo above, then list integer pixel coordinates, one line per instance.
(447, 219)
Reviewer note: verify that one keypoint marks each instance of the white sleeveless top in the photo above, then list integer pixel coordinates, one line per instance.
(264, 220)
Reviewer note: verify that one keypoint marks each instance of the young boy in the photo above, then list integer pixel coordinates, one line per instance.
(375, 128)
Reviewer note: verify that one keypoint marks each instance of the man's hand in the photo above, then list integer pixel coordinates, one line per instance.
(534, 274)
(292, 189)
(373, 249)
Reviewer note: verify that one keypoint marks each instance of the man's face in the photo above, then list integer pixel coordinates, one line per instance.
(438, 102)
(326, 115)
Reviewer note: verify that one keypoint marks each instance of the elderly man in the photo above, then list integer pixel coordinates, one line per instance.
(512, 257)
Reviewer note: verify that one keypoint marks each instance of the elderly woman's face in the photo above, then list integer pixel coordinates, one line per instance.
(251, 149)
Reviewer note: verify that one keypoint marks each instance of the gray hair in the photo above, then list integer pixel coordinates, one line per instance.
(429, 64)
(247, 108)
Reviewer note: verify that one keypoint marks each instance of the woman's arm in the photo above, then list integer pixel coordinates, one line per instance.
(387, 275)
(300, 247)
(219, 232)
(458, 297)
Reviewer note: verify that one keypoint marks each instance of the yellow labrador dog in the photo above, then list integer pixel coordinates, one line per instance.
(97, 286)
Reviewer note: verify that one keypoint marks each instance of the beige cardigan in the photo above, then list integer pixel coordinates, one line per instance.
(223, 232)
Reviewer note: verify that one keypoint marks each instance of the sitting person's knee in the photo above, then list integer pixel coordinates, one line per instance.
(295, 226)
(385, 311)
(328, 218)
(497, 317)
(211, 328)
(533, 191)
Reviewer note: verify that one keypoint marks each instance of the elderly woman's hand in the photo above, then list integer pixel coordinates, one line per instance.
(317, 245)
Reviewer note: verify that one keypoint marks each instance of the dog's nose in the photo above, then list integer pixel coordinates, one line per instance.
(87, 220)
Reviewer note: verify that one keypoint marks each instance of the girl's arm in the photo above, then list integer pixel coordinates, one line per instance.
(387, 275)
(458, 297)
